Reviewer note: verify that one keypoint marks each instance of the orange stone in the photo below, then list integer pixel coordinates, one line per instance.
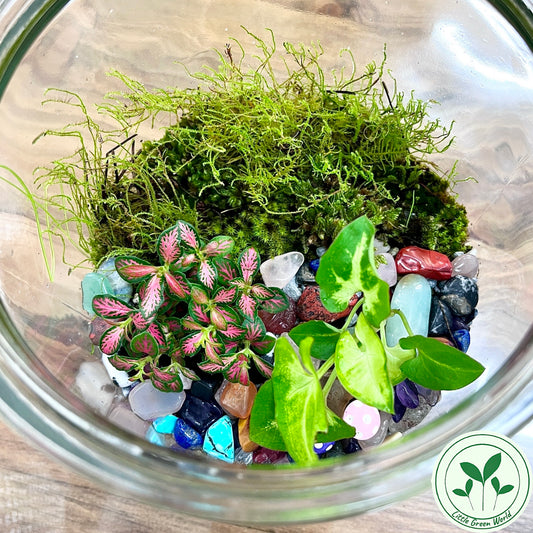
(247, 445)
(237, 399)
(444, 340)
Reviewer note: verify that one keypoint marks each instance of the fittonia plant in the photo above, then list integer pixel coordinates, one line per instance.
(196, 299)
(200, 299)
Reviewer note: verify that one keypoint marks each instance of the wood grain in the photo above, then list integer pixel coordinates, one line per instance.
(39, 495)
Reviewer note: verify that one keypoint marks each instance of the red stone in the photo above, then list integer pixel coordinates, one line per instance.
(281, 322)
(427, 263)
(310, 307)
(265, 456)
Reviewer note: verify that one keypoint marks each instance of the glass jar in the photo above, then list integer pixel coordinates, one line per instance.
(472, 56)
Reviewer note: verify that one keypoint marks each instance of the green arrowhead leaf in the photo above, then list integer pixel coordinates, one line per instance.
(264, 428)
(362, 366)
(337, 429)
(396, 357)
(349, 267)
(438, 366)
(324, 335)
(299, 403)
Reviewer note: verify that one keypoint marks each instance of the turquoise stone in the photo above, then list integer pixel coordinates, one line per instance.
(119, 287)
(92, 285)
(412, 296)
(165, 424)
(154, 437)
(218, 440)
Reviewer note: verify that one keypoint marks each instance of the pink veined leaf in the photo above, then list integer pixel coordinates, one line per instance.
(198, 313)
(144, 343)
(176, 353)
(122, 363)
(168, 245)
(212, 351)
(233, 332)
(187, 260)
(188, 373)
(165, 380)
(191, 343)
(239, 283)
(275, 304)
(177, 285)
(188, 235)
(139, 321)
(173, 324)
(237, 370)
(207, 274)
(210, 366)
(229, 314)
(262, 292)
(220, 245)
(133, 269)
(156, 331)
(153, 296)
(108, 306)
(249, 264)
(255, 330)
(111, 340)
(190, 324)
(247, 305)
(264, 345)
(226, 269)
(263, 367)
(217, 319)
(230, 346)
(198, 295)
(225, 296)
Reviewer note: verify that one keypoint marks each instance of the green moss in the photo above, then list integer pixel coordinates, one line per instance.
(277, 162)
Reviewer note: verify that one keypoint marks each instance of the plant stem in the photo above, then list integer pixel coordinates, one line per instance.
(404, 320)
(354, 310)
(321, 372)
(329, 383)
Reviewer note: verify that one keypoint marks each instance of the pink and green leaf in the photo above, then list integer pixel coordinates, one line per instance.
(139, 321)
(144, 343)
(108, 306)
(177, 285)
(212, 351)
(207, 273)
(236, 370)
(198, 313)
(199, 295)
(276, 303)
(190, 344)
(112, 339)
(122, 363)
(261, 292)
(219, 246)
(156, 331)
(225, 296)
(166, 380)
(217, 319)
(168, 245)
(173, 324)
(133, 270)
(226, 269)
(255, 329)
(152, 296)
(247, 305)
(188, 235)
(263, 367)
(211, 366)
(263, 346)
(249, 262)
(233, 332)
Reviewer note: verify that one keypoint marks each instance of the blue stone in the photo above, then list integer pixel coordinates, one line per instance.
(412, 296)
(440, 318)
(119, 286)
(92, 285)
(206, 386)
(460, 293)
(323, 447)
(350, 446)
(399, 409)
(314, 264)
(186, 436)
(218, 440)
(154, 437)
(165, 424)
(462, 339)
(200, 414)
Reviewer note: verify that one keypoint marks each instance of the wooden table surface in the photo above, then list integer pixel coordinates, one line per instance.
(39, 495)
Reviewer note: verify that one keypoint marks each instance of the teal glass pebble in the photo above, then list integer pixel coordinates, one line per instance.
(154, 437)
(92, 285)
(412, 296)
(218, 440)
(119, 286)
(165, 424)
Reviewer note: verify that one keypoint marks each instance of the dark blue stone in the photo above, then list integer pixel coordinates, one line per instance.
(440, 318)
(462, 339)
(199, 414)
(313, 265)
(206, 387)
(407, 394)
(399, 409)
(323, 447)
(186, 436)
(460, 294)
(350, 446)
(335, 451)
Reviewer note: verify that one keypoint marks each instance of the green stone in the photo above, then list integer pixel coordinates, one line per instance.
(92, 285)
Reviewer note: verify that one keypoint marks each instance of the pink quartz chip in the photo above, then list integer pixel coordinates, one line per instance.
(365, 419)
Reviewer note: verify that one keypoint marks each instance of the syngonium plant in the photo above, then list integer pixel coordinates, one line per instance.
(199, 298)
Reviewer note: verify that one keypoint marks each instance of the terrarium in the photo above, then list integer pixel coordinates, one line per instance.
(400, 132)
